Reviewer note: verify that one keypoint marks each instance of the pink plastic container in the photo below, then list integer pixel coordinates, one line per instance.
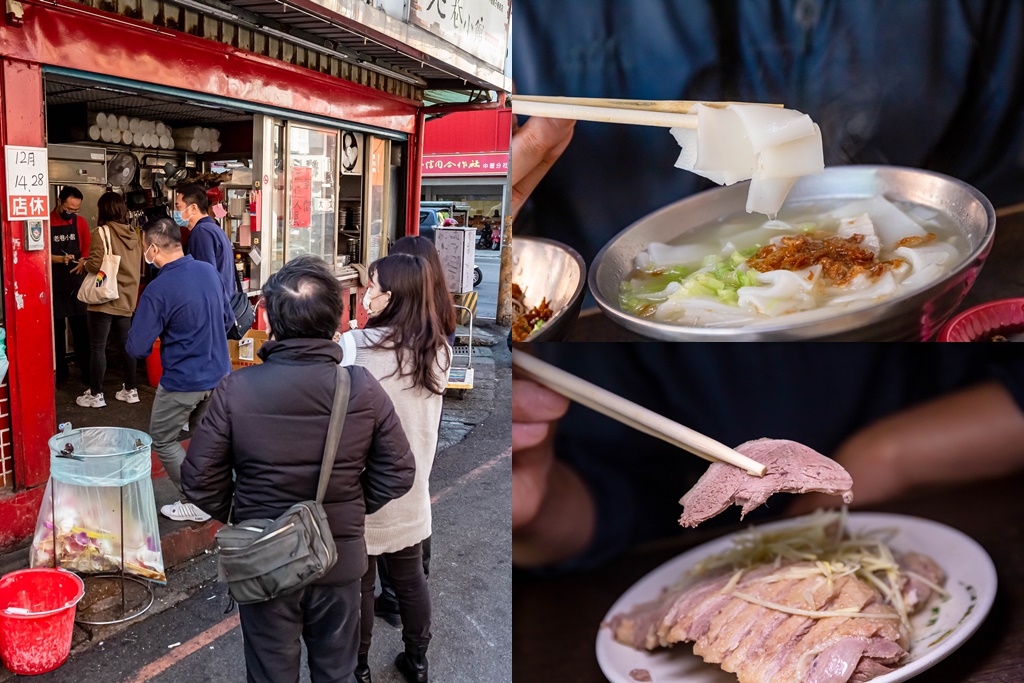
(980, 322)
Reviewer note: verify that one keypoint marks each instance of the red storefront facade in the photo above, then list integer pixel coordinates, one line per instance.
(465, 159)
(74, 41)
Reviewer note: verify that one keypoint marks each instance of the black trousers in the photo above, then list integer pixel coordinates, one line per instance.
(388, 602)
(325, 617)
(80, 336)
(100, 327)
(410, 584)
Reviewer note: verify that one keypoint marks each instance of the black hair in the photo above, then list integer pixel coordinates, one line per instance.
(70, 191)
(417, 245)
(410, 322)
(112, 209)
(191, 193)
(163, 232)
(303, 300)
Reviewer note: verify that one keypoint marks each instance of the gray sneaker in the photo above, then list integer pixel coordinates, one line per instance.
(88, 400)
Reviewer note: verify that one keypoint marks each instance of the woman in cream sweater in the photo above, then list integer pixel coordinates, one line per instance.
(404, 347)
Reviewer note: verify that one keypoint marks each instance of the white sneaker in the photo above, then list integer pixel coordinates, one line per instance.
(184, 512)
(87, 400)
(127, 395)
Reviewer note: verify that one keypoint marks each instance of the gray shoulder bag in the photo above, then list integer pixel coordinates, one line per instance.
(261, 559)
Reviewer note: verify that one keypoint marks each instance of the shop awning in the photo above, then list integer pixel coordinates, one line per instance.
(367, 36)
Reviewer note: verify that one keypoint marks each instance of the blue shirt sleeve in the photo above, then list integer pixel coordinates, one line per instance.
(147, 325)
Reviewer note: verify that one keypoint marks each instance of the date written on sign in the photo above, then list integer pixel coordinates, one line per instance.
(27, 183)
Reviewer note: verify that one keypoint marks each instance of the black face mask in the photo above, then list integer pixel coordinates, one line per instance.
(68, 215)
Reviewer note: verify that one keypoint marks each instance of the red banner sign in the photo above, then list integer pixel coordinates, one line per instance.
(302, 196)
(465, 164)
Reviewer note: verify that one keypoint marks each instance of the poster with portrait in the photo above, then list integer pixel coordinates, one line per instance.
(351, 153)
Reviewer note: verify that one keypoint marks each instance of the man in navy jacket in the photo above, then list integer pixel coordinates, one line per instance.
(206, 240)
(189, 311)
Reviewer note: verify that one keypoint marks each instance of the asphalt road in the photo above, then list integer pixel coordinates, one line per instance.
(470, 584)
(487, 292)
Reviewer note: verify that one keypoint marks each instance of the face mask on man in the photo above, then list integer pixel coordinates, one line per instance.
(67, 215)
(179, 219)
(145, 257)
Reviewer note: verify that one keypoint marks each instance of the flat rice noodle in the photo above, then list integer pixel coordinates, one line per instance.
(890, 222)
(767, 195)
(770, 126)
(787, 291)
(687, 139)
(796, 158)
(929, 262)
(682, 255)
(861, 225)
(702, 311)
(723, 144)
(866, 288)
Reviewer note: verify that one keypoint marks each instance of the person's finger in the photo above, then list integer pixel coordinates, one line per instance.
(529, 483)
(528, 434)
(538, 143)
(533, 403)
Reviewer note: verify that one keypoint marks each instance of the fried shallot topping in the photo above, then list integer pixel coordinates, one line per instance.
(840, 258)
(916, 240)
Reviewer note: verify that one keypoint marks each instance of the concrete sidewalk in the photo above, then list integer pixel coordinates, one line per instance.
(188, 547)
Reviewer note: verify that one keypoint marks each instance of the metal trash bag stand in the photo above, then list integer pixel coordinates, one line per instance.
(67, 430)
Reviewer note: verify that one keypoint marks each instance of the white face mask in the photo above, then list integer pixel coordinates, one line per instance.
(367, 300)
(145, 256)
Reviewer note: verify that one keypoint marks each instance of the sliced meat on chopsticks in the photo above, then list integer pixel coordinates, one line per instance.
(791, 468)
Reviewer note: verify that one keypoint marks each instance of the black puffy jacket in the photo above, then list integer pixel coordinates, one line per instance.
(268, 423)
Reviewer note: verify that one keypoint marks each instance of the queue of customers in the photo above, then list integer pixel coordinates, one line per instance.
(258, 433)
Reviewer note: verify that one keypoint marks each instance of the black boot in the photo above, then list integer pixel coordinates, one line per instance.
(363, 670)
(413, 664)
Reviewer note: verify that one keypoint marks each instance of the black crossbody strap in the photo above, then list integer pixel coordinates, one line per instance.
(338, 411)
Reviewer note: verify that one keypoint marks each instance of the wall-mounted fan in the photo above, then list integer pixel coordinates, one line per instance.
(174, 175)
(121, 169)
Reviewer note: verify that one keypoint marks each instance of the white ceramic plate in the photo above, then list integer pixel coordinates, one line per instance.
(939, 629)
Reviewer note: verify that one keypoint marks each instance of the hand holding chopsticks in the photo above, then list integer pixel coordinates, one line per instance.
(631, 414)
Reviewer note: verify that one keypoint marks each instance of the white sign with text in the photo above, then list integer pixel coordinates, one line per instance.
(28, 183)
(480, 27)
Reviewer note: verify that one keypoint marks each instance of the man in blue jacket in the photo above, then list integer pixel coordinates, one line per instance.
(206, 240)
(189, 311)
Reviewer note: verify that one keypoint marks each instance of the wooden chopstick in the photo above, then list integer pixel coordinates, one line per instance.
(631, 414)
(667, 106)
(577, 112)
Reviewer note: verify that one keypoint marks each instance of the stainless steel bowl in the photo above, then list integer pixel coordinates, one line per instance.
(547, 269)
(917, 315)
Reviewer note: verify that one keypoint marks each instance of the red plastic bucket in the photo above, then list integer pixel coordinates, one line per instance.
(37, 617)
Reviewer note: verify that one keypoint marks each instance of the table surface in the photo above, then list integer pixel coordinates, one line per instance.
(1002, 277)
(555, 620)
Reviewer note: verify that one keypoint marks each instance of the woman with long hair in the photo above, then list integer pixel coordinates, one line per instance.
(404, 347)
(114, 316)
(425, 249)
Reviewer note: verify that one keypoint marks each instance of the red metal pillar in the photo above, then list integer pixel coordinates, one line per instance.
(28, 321)
(415, 174)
